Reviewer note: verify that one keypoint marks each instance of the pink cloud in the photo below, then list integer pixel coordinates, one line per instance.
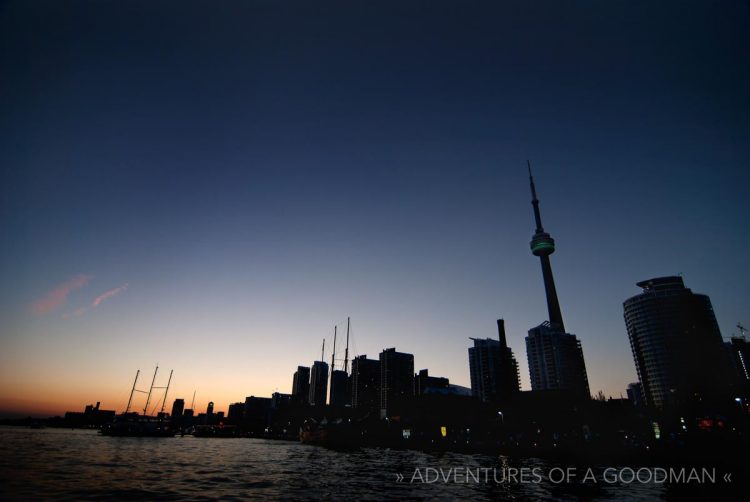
(57, 296)
(109, 294)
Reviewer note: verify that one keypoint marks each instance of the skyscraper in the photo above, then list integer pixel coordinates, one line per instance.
(365, 383)
(396, 378)
(340, 395)
(556, 361)
(676, 343)
(318, 383)
(493, 368)
(301, 384)
(555, 357)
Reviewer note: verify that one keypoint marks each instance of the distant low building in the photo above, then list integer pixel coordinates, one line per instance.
(236, 413)
(424, 383)
(177, 408)
(92, 416)
(257, 412)
(635, 394)
(280, 401)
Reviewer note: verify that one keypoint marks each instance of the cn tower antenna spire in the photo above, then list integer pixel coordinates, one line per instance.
(543, 245)
(535, 201)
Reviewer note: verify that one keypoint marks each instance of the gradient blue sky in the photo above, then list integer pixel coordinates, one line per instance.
(256, 171)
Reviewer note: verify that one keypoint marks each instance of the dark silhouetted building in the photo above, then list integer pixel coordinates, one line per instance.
(635, 394)
(236, 413)
(257, 413)
(318, 383)
(676, 343)
(91, 416)
(340, 388)
(178, 407)
(424, 383)
(396, 378)
(738, 351)
(555, 357)
(301, 384)
(493, 368)
(365, 383)
(556, 361)
(280, 401)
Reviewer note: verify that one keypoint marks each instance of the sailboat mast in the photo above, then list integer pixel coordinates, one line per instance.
(333, 363)
(333, 354)
(148, 398)
(164, 401)
(132, 390)
(346, 352)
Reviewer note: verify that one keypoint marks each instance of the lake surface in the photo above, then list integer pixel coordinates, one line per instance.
(66, 464)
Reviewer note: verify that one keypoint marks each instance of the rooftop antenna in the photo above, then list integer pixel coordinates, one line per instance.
(192, 404)
(346, 352)
(323, 350)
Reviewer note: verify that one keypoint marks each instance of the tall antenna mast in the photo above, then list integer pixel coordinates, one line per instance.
(192, 404)
(164, 401)
(132, 390)
(323, 350)
(148, 398)
(543, 245)
(346, 352)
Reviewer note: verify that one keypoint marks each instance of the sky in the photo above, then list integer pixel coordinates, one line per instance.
(213, 186)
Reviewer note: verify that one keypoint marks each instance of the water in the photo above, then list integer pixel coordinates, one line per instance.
(68, 464)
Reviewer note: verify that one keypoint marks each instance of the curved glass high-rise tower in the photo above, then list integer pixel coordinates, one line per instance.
(676, 343)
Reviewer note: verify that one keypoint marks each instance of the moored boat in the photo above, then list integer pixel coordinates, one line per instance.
(135, 425)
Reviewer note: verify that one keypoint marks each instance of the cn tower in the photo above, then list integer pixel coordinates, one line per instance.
(543, 245)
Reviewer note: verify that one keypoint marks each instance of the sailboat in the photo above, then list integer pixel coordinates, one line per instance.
(133, 424)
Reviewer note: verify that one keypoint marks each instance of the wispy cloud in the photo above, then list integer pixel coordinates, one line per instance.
(109, 294)
(55, 298)
(76, 313)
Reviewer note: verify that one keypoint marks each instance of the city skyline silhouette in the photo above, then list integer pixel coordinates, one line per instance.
(215, 194)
